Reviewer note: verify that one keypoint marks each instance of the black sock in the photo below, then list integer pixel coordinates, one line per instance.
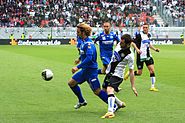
(135, 73)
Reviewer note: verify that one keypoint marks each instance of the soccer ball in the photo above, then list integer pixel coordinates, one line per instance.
(47, 74)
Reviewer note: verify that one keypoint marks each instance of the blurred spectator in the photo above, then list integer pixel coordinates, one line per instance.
(49, 36)
(23, 36)
(54, 13)
(11, 37)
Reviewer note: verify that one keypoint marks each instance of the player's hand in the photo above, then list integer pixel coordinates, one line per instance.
(135, 91)
(139, 51)
(77, 61)
(74, 69)
(157, 49)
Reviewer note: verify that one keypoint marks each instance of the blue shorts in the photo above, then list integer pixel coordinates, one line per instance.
(105, 60)
(90, 75)
(106, 57)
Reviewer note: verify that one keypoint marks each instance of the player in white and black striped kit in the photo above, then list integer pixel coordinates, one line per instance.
(143, 42)
(114, 73)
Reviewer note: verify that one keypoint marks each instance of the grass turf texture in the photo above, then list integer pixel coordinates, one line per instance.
(26, 98)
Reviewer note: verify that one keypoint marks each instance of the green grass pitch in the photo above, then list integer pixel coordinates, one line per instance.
(26, 98)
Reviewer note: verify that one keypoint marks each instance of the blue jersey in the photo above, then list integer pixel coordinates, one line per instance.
(79, 42)
(106, 43)
(88, 55)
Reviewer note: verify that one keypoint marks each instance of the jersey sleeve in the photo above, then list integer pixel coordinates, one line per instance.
(97, 38)
(131, 61)
(116, 38)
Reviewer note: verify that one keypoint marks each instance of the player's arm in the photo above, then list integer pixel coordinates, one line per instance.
(135, 47)
(132, 81)
(77, 61)
(85, 61)
(97, 39)
(153, 48)
(116, 39)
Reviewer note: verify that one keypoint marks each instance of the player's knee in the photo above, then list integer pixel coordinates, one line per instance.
(110, 90)
(103, 71)
(151, 71)
(72, 83)
(97, 91)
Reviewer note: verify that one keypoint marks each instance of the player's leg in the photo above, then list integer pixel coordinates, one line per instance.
(120, 103)
(73, 84)
(126, 75)
(95, 86)
(93, 81)
(105, 61)
(115, 83)
(112, 86)
(139, 67)
(111, 98)
(111, 103)
(150, 66)
(105, 82)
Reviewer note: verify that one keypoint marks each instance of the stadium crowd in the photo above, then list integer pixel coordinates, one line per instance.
(175, 9)
(47, 13)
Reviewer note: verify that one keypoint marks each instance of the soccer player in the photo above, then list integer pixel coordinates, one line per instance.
(137, 32)
(114, 73)
(142, 41)
(88, 66)
(106, 41)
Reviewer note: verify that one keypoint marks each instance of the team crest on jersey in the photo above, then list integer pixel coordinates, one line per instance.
(111, 36)
(103, 38)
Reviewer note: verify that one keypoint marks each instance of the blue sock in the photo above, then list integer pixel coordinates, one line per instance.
(99, 71)
(77, 91)
(103, 95)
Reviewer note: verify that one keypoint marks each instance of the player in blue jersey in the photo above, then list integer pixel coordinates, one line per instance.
(88, 66)
(106, 41)
(137, 32)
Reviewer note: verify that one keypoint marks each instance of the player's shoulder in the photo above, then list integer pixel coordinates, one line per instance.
(149, 35)
(88, 42)
(101, 33)
(112, 33)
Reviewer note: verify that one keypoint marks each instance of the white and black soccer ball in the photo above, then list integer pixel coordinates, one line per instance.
(47, 74)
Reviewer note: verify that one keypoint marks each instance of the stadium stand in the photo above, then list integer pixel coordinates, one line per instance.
(172, 11)
(58, 16)
(52, 13)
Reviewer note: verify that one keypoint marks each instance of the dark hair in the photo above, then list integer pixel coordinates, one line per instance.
(146, 24)
(127, 38)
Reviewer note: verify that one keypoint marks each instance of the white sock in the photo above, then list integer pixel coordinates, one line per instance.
(118, 101)
(153, 82)
(111, 102)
